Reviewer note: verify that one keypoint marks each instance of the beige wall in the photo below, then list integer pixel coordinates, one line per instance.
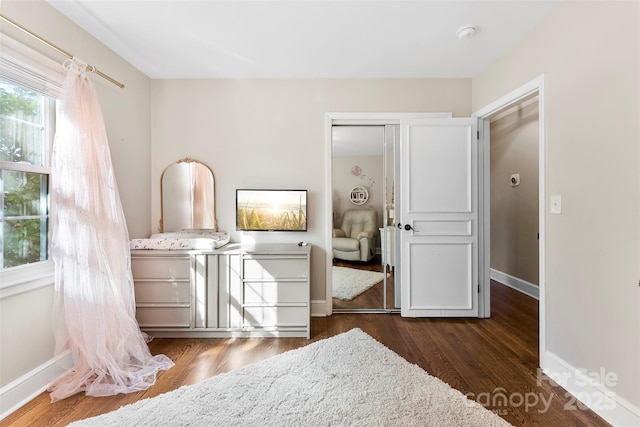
(514, 210)
(26, 336)
(589, 53)
(271, 133)
(26, 339)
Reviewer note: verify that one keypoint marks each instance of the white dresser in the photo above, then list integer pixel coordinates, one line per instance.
(163, 290)
(233, 291)
(275, 292)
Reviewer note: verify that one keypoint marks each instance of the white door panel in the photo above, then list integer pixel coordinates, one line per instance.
(449, 267)
(439, 217)
(442, 227)
(445, 185)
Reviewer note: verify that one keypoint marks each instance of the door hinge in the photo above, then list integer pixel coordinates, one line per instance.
(478, 135)
(478, 287)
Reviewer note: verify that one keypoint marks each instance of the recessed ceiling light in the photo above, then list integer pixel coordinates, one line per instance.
(466, 32)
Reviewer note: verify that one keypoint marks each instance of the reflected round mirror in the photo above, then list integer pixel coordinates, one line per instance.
(187, 197)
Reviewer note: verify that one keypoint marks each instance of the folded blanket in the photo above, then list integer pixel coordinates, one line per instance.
(183, 240)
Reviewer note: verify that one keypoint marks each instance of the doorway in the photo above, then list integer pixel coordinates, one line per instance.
(530, 90)
(514, 197)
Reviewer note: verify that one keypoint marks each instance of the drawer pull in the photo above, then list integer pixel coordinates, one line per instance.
(170, 305)
(164, 325)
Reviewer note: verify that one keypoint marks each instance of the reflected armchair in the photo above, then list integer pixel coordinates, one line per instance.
(355, 239)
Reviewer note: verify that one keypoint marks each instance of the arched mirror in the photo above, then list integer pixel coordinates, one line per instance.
(187, 197)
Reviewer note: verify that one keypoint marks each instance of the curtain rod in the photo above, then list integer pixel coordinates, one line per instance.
(60, 50)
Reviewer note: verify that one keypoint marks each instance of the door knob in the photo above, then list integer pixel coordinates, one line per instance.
(406, 227)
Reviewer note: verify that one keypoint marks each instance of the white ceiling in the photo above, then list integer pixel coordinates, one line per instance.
(305, 38)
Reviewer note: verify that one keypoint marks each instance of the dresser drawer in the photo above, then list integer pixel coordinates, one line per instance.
(276, 316)
(163, 317)
(154, 291)
(161, 267)
(272, 268)
(276, 292)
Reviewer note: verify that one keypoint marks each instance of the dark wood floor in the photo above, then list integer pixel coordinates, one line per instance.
(483, 358)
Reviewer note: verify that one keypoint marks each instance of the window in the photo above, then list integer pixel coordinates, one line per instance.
(26, 130)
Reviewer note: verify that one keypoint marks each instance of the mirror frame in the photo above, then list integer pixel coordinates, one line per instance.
(186, 160)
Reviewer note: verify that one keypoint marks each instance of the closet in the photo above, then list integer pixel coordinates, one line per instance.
(431, 206)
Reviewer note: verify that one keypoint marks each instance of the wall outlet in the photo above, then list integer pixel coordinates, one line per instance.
(556, 204)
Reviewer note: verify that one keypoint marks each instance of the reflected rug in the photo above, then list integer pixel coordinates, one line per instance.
(349, 379)
(348, 283)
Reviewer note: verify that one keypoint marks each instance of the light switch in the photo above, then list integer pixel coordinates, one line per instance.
(556, 204)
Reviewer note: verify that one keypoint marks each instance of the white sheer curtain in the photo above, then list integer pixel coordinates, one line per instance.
(94, 313)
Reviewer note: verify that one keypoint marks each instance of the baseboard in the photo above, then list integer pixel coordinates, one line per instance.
(588, 393)
(319, 308)
(518, 284)
(24, 389)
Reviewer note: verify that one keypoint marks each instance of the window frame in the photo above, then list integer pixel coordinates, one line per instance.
(45, 77)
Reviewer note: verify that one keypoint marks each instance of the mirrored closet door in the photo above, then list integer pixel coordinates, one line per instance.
(363, 208)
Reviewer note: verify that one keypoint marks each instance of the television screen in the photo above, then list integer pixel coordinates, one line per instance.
(271, 210)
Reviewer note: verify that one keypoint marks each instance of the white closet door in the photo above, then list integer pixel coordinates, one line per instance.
(438, 224)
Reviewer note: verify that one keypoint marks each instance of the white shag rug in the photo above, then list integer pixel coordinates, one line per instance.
(347, 283)
(347, 380)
